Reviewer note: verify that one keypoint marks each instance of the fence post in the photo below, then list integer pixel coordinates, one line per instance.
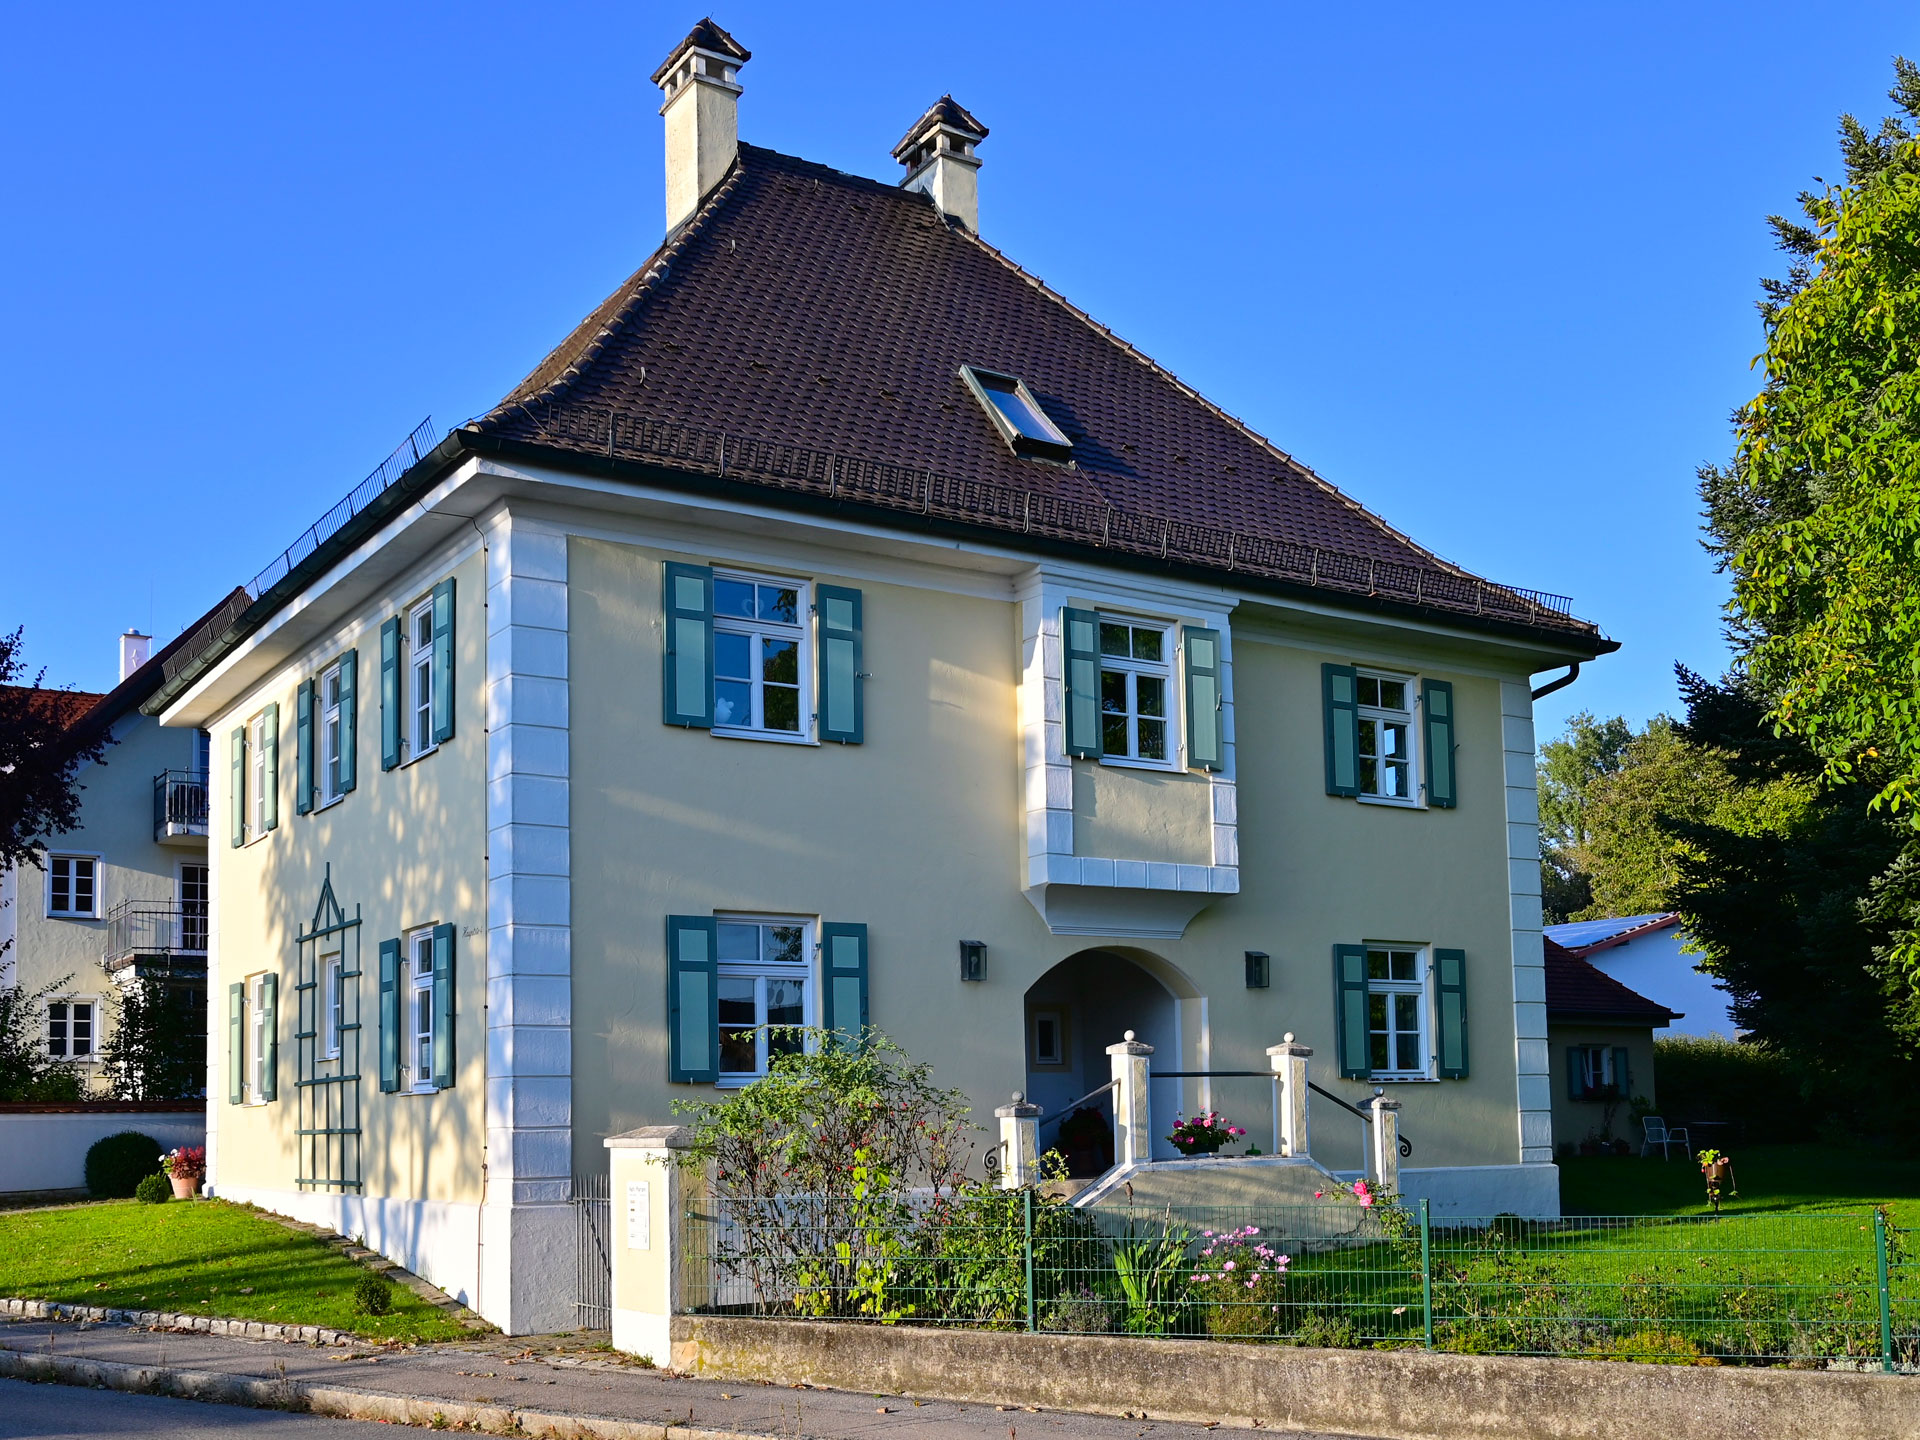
(1426, 1269)
(1886, 1293)
(1026, 1231)
(1289, 1062)
(1019, 1142)
(1132, 1116)
(644, 1214)
(1385, 1141)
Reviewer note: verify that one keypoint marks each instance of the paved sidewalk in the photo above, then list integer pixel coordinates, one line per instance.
(556, 1385)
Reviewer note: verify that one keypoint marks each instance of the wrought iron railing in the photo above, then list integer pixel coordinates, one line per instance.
(155, 928)
(179, 803)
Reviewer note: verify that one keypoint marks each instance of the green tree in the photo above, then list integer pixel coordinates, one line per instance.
(155, 1051)
(27, 1072)
(1567, 769)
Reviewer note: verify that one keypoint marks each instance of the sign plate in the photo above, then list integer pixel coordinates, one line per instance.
(639, 1215)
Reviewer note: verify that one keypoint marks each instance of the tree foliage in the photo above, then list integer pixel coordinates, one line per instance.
(27, 1072)
(154, 1050)
(41, 752)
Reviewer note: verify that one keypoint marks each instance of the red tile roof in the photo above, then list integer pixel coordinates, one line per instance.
(1579, 991)
(68, 707)
(805, 332)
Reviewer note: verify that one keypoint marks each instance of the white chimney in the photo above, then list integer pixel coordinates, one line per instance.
(134, 650)
(702, 110)
(939, 155)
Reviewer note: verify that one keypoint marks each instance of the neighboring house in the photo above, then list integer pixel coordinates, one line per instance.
(1646, 953)
(1600, 1034)
(126, 891)
(840, 628)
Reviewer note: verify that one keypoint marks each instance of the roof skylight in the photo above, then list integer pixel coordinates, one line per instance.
(1016, 414)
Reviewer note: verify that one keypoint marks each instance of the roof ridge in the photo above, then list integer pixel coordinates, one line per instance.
(1235, 421)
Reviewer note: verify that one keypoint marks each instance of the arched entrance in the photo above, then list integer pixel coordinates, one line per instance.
(1088, 1002)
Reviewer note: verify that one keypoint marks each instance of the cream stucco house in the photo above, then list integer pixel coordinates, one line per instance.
(841, 627)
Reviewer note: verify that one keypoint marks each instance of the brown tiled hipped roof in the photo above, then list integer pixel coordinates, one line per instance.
(66, 707)
(1579, 991)
(806, 310)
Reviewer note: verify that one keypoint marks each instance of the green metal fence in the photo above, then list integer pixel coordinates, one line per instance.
(1761, 1288)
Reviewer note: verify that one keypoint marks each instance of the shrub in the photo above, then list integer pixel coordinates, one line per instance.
(372, 1295)
(117, 1164)
(1709, 1077)
(1238, 1280)
(153, 1190)
(1080, 1313)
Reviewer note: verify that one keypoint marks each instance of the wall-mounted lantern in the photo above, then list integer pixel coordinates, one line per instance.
(1257, 970)
(973, 959)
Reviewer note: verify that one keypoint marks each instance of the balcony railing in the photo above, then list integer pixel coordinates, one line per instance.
(179, 804)
(157, 930)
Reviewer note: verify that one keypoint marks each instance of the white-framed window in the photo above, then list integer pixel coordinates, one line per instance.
(765, 984)
(1136, 692)
(1597, 1070)
(332, 1006)
(259, 1013)
(330, 735)
(1385, 716)
(420, 679)
(761, 657)
(73, 886)
(1398, 1045)
(70, 1029)
(193, 885)
(259, 776)
(1049, 1037)
(417, 997)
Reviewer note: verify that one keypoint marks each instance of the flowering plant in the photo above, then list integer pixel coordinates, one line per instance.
(185, 1162)
(1239, 1278)
(1365, 1196)
(1204, 1134)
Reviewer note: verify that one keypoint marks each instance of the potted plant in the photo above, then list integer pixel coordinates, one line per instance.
(1204, 1134)
(186, 1167)
(1717, 1169)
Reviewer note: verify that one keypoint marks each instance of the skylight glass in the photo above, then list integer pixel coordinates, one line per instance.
(1016, 414)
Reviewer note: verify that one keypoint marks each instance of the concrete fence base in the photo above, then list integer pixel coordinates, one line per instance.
(44, 1146)
(1397, 1394)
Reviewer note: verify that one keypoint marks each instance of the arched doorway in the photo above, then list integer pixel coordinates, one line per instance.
(1089, 1001)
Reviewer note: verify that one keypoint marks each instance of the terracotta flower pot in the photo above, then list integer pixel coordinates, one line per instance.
(184, 1186)
(1719, 1172)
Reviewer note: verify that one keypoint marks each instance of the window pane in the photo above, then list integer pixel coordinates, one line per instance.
(423, 628)
(1022, 416)
(733, 656)
(1113, 735)
(784, 944)
(733, 597)
(782, 704)
(1369, 776)
(1393, 740)
(1403, 965)
(1369, 737)
(1147, 644)
(83, 886)
(1407, 1056)
(1151, 693)
(1378, 965)
(1153, 739)
(738, 1015)
(1377, 1053)
(737, 942)
(62, 885)
(779, 603)
(1113, 692)
(1376, 1012)
(1113, 639)
(1393, 694)
(784, 1002)
(732, 702)
(1406, 1012)
(1369, 690)
(1398, 782)
(780, 661)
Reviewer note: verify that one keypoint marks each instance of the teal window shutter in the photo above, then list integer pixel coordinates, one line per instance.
(1080, 642)
(270, 1027)
(349, 735)
(237, 787)
(442, 1007)
(303, 748)
(688, 690)
(1339, 690)
(842, 706)
(693, 1000)
(1436, 703)
(1576, 1073)
(389, 1015)
(1451, 991)
(236, 1044)
(390, 718)
(1622, 1071)
(843, 950)
(270, 800)
(442, 715)
(1350, 1002)
(1206, 728)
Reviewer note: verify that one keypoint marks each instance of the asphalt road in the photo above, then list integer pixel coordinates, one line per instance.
(52, 1412)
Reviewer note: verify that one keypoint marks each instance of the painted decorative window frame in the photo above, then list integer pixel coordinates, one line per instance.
(416, 683)
(90, 857)
(328, 735)
(1423, 987)
(332, 1003)
(255, 1031)
(92, 1003)
(258, 781)
(1167, 669)
(417, 1020)
(808, 972)
(801, 631)
(1410, 717)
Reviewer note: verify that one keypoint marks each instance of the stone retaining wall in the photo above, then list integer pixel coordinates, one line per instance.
(173, 1320)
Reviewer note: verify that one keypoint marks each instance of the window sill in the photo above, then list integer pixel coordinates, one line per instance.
(1389, 802)
(415, 759)
(778, 737)
(327, 804)
(1124, 762)
(1403, 1080)
(69, 915)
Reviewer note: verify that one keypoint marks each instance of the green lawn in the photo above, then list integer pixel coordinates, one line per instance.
(1771, 1178)
(201, 1258)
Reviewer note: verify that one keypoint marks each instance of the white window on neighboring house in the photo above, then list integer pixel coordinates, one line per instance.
(70, 1029)
(330, 735)
(1598, 1070)
(73, 886)
(1397, 1047)
(420, 678)
(260, 777)
(1136, 692)
(764, 967)
(761, 657)
(259, 1016)
(332, 1002)
(418, 998)
(1385, 716)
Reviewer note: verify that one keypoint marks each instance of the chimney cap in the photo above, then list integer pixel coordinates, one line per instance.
(704, 36)
(944, 113)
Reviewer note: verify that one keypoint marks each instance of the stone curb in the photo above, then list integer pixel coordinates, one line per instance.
(212, 1387)
(171, 1320)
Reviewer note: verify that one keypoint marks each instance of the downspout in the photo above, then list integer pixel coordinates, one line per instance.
(1573, 674)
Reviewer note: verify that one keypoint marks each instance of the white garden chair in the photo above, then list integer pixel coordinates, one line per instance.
(1657, 1133)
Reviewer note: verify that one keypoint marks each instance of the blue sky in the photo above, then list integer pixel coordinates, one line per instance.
(1489, 268)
